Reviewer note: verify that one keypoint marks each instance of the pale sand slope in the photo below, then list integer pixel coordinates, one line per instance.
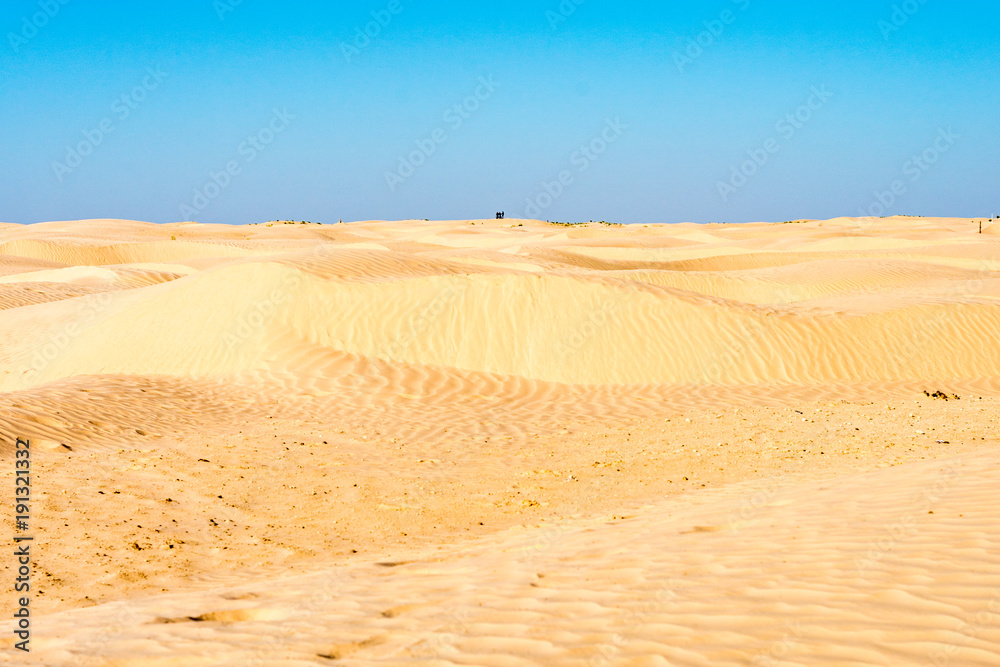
(661, 305)
(213, 405)
(896, 567)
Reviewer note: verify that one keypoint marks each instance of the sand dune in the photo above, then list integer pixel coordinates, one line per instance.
(893, 567)
(568, 326)
(480, 403)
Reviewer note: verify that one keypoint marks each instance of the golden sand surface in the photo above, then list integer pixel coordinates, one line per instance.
(505, 442)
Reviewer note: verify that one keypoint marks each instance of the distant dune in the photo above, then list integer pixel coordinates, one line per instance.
(597, 305)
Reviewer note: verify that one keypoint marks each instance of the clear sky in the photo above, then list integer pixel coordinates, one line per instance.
(238, 111)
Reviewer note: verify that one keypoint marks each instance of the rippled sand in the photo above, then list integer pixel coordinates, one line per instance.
(507, 442)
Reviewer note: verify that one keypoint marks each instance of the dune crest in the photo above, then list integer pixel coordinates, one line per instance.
(794, 317)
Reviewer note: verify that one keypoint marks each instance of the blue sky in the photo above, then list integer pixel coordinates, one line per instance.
(729, 110)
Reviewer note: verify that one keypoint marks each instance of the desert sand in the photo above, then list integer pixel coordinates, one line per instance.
(505, 442)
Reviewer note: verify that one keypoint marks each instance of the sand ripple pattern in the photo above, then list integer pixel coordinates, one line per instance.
(893, 304)
(390, 321)
(861, 571)
(479, 336)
